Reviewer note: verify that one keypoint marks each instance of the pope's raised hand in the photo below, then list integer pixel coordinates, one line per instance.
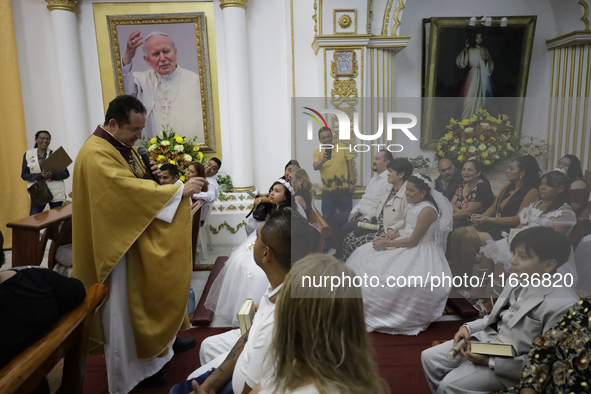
(133, 42)
(193, 186)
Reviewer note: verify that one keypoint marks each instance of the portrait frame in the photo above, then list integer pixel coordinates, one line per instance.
(352, 57)
(111, 16)
(437, 50)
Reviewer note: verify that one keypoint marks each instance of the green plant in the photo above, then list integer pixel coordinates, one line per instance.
(420, 162)
(225, 184)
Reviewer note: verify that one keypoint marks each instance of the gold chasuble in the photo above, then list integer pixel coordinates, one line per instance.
(114, 215)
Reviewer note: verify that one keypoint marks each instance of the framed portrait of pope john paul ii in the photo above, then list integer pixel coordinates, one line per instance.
(467, 68)
(164, 60)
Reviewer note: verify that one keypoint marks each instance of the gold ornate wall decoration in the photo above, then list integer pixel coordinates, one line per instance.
(314, 18)
(342, 18)
(66, 5)
(585, 13)
(369, 15)
(397, 14)
(227, 226)
(345, 21)
(233, 3)
(387, 18)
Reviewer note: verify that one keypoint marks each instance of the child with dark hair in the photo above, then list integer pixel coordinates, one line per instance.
(523, 312)
(416, 251)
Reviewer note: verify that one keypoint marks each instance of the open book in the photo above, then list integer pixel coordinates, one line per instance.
(245, 315)
(492, 349)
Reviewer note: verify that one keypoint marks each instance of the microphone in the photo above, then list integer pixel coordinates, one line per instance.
(144, 154)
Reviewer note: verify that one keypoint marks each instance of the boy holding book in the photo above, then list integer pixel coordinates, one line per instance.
(521, 313)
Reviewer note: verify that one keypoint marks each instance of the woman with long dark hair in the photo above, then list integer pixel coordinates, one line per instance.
(407, 306)
(579, 190)
(521, 189)
(32, 172)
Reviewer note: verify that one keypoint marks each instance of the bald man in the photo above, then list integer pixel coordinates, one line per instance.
(450, 178)
(170, 93)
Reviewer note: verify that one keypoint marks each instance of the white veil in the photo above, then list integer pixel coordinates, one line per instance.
(445, 218)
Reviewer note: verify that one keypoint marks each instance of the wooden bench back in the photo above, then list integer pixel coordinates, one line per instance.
(318, 221)
(69, 339)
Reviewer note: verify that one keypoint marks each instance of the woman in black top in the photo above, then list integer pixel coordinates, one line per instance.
(473, 196)
(32, 299)
(303, 187)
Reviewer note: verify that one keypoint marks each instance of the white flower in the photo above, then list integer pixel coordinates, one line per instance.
(188, 157)
(165, 143)
(485, 125)
(468, 129)
(151, 148)
(178, 148)
(472, 149)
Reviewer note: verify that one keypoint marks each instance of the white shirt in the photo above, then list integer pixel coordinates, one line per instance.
(212, 193)
(372, 194)
(249, 366)
(173, 100)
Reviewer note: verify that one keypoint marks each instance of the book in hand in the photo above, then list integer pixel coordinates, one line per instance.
(492, 349)
(245, 315)
(58, 161)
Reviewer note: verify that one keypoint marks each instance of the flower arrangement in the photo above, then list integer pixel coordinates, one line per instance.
(171, 148)
(532, 146)
(480, 137)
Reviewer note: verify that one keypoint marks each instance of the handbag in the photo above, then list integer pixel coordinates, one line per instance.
(261, 211)
(40, 193)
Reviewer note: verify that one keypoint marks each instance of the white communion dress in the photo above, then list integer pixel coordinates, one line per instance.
(408, 308)
(500, 251)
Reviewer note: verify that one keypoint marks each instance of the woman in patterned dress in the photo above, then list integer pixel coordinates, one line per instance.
(472, 196)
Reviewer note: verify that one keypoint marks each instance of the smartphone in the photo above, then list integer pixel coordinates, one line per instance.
(329, 153)
(251, 193)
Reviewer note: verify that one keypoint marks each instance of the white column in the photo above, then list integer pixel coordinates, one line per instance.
(237, 77)
(67, 43)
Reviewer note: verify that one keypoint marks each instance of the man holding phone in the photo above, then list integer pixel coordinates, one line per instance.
(338, 176)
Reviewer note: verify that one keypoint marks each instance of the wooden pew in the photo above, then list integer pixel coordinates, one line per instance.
(318, 221)
(28, 246)
(69, 339)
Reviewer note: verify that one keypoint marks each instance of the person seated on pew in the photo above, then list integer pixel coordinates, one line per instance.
(559, 359)
(212, 192)
(552, 210)
(299, 362)
(303, 189)
(449, 179)
(522, 313)
(342, 223)
(169, 175)
(32, 299)
(290, 169)
(473, 196)
(388, 213)
(241, 277)
(238, 359)
(579, 190)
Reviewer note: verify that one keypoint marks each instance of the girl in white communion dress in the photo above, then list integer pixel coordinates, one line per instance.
(404, 302)
(241, 277)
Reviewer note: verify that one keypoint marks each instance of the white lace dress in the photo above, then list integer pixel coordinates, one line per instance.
(500, 251)
(404, 309)
(241, 278)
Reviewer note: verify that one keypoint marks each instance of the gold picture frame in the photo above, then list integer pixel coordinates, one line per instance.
(510, 48)
(111, 17)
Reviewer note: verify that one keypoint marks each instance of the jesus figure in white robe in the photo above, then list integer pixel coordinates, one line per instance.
(477, 86)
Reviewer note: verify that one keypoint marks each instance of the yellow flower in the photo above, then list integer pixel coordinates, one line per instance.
(460, 158)
(448, 136)
(179, 140)
(196, 148)
(465, 122)
(161, 158)
(199, 155)
(484, 155)
(486, 162)
(440, 153)
(481, 138)
(463, 149)
(153, 141)
(172, 162)
(469, 140)
(182, 178)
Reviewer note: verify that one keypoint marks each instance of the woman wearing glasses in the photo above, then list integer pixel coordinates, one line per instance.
(32, 172)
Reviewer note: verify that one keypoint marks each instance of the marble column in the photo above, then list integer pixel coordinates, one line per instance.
(234, 12)
(71, 79)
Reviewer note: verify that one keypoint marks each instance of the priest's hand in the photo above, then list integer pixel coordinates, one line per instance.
(155, 169)
(194, 186)
(133, 42)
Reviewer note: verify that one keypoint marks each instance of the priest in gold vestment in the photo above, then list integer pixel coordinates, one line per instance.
(133, 235)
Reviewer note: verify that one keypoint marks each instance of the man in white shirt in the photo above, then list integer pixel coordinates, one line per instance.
(170, 93)
(283, 239)
(342, 223)
(213, 189)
